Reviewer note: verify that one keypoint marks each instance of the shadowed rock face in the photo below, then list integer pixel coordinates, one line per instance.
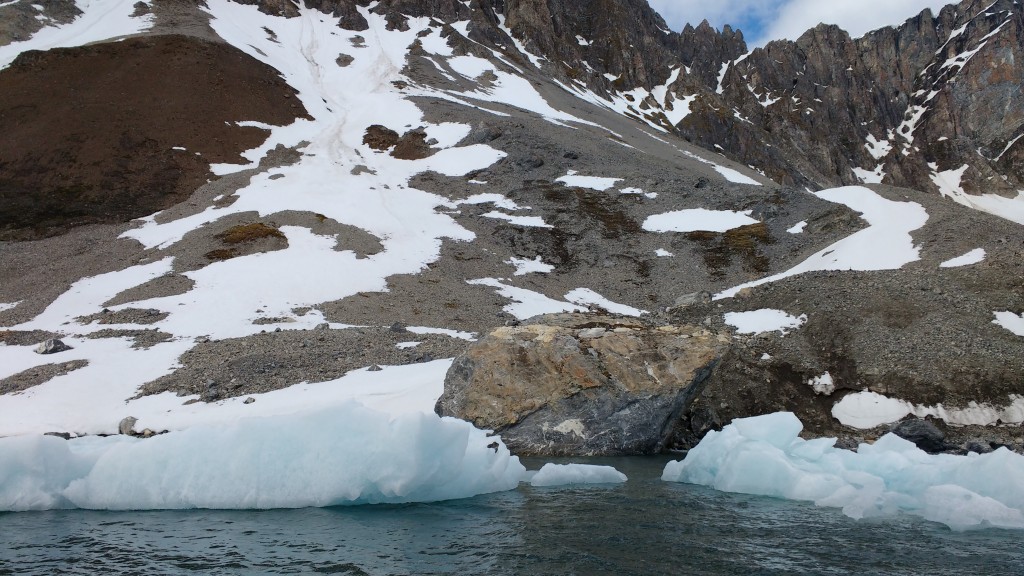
(581, 384)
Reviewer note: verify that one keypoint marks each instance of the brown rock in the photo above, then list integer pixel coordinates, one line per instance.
(558, 385)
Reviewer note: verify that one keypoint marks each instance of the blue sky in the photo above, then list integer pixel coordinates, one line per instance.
(764, 20)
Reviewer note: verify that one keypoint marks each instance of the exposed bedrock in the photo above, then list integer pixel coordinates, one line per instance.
(582, 384)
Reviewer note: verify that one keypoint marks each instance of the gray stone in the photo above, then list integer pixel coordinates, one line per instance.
(923, 434)
(51, 346)
(127, 426)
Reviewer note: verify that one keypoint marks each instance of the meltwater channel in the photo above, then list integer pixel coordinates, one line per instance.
(642, 527)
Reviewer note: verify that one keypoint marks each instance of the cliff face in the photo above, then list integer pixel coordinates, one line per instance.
(934, 104)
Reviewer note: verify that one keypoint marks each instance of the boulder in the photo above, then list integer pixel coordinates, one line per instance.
(127, 426)
(51, 346)
(923, 434)
(582, 384)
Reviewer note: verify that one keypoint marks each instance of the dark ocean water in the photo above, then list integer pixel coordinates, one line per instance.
(644, 526)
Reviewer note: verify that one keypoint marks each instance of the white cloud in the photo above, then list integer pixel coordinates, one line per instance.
(765, 20)
(857, 17)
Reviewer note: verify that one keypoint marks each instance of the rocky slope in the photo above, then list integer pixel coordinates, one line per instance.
(379, 183)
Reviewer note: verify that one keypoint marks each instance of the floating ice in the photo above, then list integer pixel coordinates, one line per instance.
(346, 455)
(765, 456)
(562, 474)
(765, 320)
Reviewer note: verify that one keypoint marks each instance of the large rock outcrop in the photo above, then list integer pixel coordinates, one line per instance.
(582, 384)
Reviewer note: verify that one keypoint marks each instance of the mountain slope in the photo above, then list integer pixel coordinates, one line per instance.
(432, 170)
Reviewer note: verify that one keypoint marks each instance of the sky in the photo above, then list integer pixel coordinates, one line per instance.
(765, 20)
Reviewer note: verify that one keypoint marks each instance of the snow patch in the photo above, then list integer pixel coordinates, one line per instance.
(797, 228)
(524, 266)
(765, 320)
(698, 219)
(868, 409)
(885, 245)
(100, 20)
(823, 384)
(1012, 322)
(525, 221)
(593, 182)
(973, 257)
(587, 297)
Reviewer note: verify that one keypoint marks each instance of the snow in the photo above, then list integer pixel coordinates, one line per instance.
(526, 303)
(735, 176)
(228, 296)
(468, 336)
(868, 409)
(8, 305)
(348, 454)
(870, 176)
(407, 345)
(101, 20)
(593, 182)
(877, 148)
(565, 474)
(797, 228)
(662, 253)
(765, 320)
(506, 88)
(698, 219)
(526, 221)
(885, 245)
(587, 297)
(765, 456)
(824, 384)
(949, 184)
(1012, 322)
(973, 257)
(524, 266)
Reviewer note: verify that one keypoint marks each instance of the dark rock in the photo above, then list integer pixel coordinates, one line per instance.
(923, 434)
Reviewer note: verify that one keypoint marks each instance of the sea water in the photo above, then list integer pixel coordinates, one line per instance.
(642, 526)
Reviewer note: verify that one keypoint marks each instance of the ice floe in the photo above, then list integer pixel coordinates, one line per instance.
(568, 474)
(348, 454)
(765, 456)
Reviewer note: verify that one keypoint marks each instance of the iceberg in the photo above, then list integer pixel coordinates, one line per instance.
(765, 456)
(348, 454)
(565, 474)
